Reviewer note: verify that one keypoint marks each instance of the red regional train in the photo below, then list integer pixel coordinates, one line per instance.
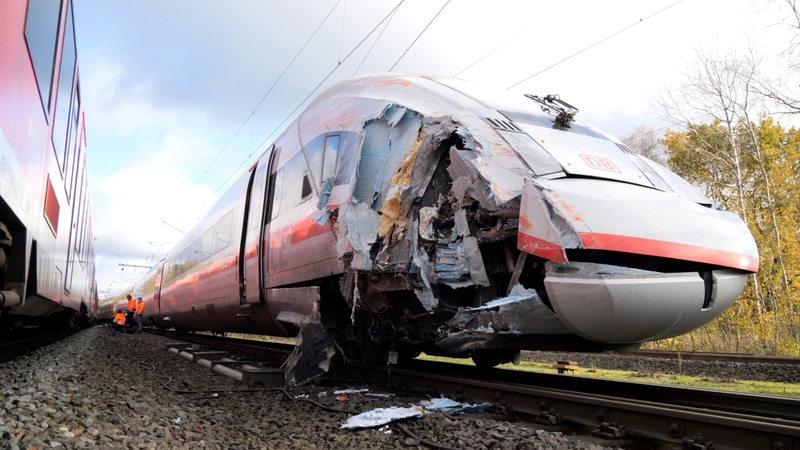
(47, 271)
(406, 213)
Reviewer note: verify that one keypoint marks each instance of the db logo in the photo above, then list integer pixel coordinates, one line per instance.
(596, 162)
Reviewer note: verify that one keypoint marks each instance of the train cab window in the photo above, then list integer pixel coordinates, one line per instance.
(41, 35)
(321, 154)
(314, 152)
(331, 153)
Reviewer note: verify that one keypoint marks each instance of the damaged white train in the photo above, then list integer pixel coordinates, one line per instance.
(404, 213)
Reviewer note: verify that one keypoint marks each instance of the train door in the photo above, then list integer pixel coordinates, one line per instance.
(157, 290)
(252, 251)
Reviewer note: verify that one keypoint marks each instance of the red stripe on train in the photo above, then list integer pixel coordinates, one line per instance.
(642, 246)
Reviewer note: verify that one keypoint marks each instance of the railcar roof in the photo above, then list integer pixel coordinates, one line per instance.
(431, 95)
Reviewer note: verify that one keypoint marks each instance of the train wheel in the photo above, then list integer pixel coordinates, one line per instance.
(69, 319)
(406, 352)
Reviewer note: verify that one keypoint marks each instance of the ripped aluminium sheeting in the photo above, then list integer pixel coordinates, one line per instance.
(312, 355)
(521, 312)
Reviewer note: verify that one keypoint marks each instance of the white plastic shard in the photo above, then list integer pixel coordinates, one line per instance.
(381, 416)
(454, 407)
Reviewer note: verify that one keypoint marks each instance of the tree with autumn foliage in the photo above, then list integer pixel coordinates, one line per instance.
(727, 138)
(751, 169)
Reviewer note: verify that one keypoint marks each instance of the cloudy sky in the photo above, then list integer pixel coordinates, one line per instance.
(180, 96)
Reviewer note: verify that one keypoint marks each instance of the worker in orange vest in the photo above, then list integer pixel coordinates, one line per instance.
(118, 324)
(138, 314)
(130, 310)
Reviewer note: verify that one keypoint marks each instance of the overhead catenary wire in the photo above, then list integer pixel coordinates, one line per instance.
(378, 38)
(419, 35)
(622, 30)
(385, 20)
(308, 96)
(251, 115)
(490, 53)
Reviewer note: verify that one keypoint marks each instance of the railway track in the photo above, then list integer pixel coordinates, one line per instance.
(661, 415)
(710, 357)
(20, 342)
(665, 414)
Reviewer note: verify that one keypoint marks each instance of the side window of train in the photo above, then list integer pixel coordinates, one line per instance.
(197, 249)
(306, 191)
(295, 176)
(41, 35)
(66, 79)
(208, 244)
(223, 232)
(277, 194)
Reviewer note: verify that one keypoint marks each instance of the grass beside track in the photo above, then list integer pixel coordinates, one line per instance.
(744, 386)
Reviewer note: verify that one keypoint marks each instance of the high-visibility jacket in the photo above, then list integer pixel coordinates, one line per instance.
(119, 319)
(131, 304)
(139, 308)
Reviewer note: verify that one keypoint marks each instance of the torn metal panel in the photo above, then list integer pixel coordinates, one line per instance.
(424, 293)
(461, 225)
(467, 179)
(359, 232)
(477, 271)
(313, 353)
(538, 235)
(427, 216)
(325, 193)
(390, 143)
(521, 312)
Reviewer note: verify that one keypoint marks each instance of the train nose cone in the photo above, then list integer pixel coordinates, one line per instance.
(619, 305)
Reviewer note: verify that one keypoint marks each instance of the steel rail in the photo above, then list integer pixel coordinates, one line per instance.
(712, 357)
(659, 417)
(736, 402)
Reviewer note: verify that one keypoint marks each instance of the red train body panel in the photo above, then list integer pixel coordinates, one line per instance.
(409, 213)
(46, 250)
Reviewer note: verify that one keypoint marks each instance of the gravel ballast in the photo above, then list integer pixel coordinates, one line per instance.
(93, 390)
